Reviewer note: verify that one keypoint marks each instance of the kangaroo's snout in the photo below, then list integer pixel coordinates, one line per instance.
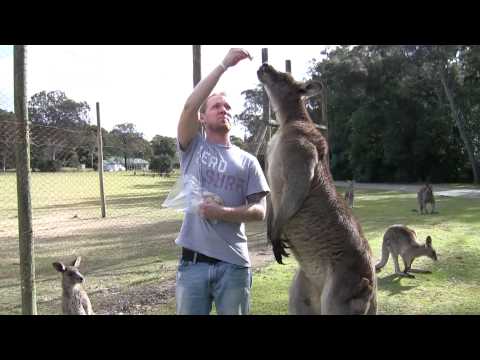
(262, 70)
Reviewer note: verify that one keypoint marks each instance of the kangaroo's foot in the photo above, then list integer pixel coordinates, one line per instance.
(420, 271)
(405, 275)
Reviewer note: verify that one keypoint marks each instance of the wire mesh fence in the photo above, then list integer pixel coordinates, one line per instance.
(129, 256)
(66, 203)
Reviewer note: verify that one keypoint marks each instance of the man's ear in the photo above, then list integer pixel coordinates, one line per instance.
(311, 88)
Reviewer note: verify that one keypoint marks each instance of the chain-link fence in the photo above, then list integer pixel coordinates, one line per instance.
(133, 244)
(128, 257)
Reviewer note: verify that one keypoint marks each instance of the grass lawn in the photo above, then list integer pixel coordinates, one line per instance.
(452, 288)
(129, 256)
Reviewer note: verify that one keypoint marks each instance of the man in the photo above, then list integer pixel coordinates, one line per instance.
(215, 265)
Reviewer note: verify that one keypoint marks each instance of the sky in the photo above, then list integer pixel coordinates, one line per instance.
(146, 85)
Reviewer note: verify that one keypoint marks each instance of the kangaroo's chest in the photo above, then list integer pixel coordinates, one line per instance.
(275, 168)
(72, 304)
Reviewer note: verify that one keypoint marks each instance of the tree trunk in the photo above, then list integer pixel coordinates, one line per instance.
(461, 128)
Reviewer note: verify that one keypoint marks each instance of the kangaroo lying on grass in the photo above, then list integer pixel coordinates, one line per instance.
(75, 300)
(400, 240)
(424, 197)
(350, 194)
(336, 272)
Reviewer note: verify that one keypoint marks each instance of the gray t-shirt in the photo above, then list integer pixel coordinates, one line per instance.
(231, 173)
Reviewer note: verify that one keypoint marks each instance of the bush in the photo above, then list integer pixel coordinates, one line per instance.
(73, 160)
(161, 163)
(50, 165)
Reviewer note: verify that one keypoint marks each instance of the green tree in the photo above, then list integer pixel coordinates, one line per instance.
(57, 125)
(386, 116)
(251, 116)
(161, 163)
(126, 141)
(164, 145)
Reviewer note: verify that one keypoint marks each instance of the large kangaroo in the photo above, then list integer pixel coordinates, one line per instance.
(400, 240)
(424, 197)
(336, 273)
(75, 300)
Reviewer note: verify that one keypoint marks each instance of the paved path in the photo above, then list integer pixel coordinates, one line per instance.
(439, 189)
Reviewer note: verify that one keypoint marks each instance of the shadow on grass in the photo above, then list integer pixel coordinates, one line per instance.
(123, 201)
(392, 284)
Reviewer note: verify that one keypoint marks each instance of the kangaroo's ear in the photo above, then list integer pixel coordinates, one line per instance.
(311, 88)
(428, 241)
(59, 266)
(77, 261)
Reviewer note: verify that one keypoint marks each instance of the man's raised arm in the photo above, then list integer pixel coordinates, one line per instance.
(188, 125)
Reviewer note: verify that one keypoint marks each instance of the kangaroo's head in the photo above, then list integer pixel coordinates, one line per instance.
(431, 253)
(286, 95)
(70, 273)
(427, 189)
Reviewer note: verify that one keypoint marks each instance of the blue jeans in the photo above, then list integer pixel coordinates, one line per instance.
(200, 284)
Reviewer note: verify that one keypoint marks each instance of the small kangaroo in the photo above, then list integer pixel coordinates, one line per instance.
(424, 197)
(75, 300)
(304, 212)
(350, 193)
(400, 240)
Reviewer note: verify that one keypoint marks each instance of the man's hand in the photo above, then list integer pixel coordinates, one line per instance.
(234, 56)
(210, 209)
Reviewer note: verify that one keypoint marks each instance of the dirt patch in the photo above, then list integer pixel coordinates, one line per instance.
(141, 300)
(137, 300)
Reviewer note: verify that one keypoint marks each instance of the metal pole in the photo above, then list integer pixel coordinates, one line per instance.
(100, 161)
(25, 232)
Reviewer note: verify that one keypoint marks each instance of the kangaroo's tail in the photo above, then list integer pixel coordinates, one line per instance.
(385, 255)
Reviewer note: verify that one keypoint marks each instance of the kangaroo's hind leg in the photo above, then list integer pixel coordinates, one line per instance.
(397, 267)
(303, 297)
(408, 268)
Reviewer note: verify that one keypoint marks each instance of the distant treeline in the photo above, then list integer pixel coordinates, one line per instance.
(396, 113)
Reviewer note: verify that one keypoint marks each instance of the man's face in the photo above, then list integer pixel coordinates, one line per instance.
(217, 116)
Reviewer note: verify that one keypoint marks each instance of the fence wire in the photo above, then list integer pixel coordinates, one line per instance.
(129, 257)
(66, 205)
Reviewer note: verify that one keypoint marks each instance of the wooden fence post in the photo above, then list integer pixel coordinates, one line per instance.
(100, 162)
(197, 64)
(22, 153)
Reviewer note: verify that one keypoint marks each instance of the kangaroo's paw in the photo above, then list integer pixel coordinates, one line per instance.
(405, 275)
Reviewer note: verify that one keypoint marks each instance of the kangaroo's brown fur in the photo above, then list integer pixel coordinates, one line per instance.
(75, 300)
(305, 213)
(400, 240)
(425, 196)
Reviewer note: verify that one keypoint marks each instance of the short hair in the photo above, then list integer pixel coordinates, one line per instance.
(203, 108)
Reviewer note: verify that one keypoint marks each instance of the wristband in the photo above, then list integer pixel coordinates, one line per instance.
(223, 66)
